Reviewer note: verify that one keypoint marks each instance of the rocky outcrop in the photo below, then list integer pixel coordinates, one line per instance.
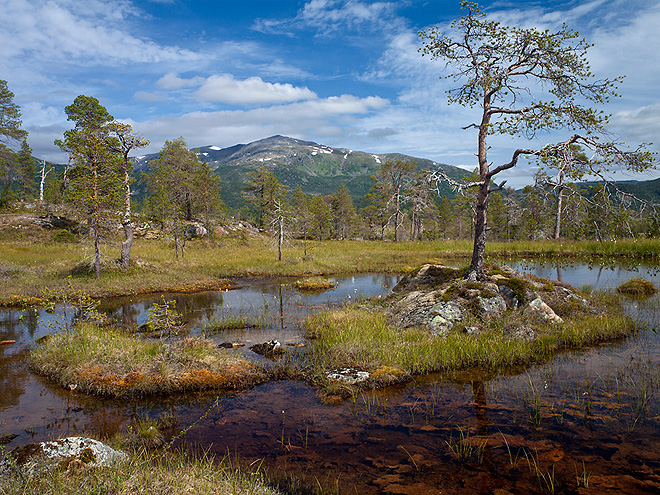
(438, 298)
(60, 454)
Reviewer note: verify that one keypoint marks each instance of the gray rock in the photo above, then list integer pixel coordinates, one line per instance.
(268, 349)
(349, 376)
(572, 296)
(34, 458)
(492, 306)
(473, 330)
(443, 315)
(509, 296)
(195, 230)
(540, 309)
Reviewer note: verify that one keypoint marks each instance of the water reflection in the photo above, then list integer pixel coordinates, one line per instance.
(588, 417)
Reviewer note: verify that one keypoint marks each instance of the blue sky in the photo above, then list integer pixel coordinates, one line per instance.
(344, 73)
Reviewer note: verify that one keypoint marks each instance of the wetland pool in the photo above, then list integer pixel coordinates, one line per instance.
(588, 421)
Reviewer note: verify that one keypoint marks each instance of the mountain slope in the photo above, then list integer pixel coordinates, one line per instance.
(316, 168)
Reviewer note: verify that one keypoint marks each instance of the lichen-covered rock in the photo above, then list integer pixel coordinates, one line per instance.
(538, 308)
(349, 376)
(508, 295)
(35, 458)
(491, 306)
(427, 277)
(443, 315)
(522, 332)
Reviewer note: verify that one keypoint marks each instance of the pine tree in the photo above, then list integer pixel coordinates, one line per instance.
(94, 182)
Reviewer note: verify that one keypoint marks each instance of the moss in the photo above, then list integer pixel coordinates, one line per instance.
(637, 287)
(64, 236)
(314, 284)
(518, 286)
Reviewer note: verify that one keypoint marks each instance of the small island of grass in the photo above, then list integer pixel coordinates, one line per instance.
(637, 287)
(111, 362)
(314, 284)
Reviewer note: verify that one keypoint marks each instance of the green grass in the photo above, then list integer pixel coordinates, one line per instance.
(29, 267)
(637, 287)
(108, 361)
(235, 322)
(362, 337)
(144, 474)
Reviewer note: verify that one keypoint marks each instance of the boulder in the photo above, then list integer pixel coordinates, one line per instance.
(428, 276)
(509, 296)
(34, 458)
(54, 222)
(195, 230)
(268, 349)
(538, 308)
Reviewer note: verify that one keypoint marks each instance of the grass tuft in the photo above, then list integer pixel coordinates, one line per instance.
(108, 361)
(637, 287)
(144, 474)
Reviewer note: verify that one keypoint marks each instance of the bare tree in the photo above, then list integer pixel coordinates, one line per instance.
(123, 141)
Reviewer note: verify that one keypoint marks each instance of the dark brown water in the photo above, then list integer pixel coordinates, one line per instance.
(586, 422)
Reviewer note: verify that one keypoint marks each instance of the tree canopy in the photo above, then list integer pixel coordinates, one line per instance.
(524, 81)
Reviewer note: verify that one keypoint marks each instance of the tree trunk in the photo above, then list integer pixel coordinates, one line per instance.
(476, 270)
(97, 253)
(560, 198)
(128, 225)
(127, 244)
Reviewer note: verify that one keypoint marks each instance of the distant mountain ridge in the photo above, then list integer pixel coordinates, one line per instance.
(316, 168)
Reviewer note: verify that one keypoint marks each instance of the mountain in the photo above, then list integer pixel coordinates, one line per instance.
(648, 190)
(316, 168)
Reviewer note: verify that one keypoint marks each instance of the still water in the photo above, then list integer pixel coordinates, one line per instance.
(586, 422)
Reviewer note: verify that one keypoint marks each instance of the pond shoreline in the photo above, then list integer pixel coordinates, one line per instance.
(539, 414)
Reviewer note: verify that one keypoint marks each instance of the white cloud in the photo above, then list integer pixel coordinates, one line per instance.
(173, 81)
(81, 32)
(148, 96)
(252, 91)
(335, 16)
(333, 117)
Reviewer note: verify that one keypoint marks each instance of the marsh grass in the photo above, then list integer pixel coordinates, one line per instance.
(145, 474)
(235, 322)
(359, 336)
(637, 288)
(109, 361)
(34, 265)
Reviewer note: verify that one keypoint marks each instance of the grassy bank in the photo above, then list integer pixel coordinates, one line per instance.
(143, 474)
(361, 337)
(27, 267)
(107, 361)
